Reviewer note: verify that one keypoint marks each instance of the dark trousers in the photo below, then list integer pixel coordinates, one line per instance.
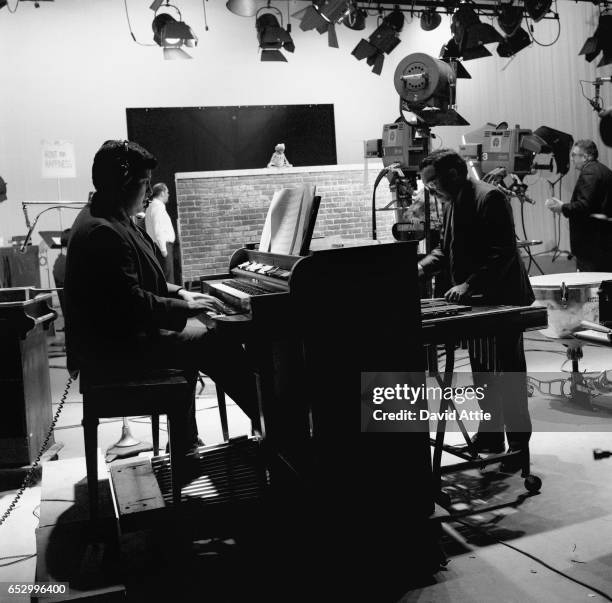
(193, 349)
(505, 391)
(168, 263)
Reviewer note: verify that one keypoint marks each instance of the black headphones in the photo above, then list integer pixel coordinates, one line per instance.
(124, 165)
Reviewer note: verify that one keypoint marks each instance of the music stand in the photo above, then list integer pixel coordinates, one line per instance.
(314, 211)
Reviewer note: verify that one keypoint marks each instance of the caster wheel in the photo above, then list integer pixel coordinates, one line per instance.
(533, 483)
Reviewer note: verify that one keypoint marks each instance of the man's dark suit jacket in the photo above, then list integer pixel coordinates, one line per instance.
(478, 246)
(590, 238)
(115, 288)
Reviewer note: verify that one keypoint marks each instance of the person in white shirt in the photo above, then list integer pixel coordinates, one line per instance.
(159, 227)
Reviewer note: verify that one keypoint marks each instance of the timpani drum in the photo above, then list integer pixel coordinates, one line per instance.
(569, 298)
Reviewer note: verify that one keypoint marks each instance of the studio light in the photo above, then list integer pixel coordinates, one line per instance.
(356, 19)
(172, 34)
(510, 18)
(242, 8)
(471, 34)
(382, 41)
(272, 36)
(430, 19)
(427, 87)
(537, 9)
(323, 15)
(600, 41)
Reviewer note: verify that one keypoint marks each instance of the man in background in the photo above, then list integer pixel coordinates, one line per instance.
(589, 211)
(159, 227)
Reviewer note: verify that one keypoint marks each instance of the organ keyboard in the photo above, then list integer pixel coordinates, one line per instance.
(252, 274)
(258, 290)
(254, 292)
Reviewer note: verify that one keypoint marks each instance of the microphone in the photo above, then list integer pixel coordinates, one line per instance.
(24, 245)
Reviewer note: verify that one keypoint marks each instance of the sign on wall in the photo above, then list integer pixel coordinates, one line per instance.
(58, 159)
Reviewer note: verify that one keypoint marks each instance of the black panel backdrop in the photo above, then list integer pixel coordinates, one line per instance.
(197, 139)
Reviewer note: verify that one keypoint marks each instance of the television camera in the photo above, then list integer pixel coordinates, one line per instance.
(504, 156)
(426, 89)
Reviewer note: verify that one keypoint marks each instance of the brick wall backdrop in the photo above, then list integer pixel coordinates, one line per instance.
(219, 212)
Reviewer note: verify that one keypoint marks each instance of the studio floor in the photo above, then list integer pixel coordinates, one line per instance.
(553, 546)
(518, 553)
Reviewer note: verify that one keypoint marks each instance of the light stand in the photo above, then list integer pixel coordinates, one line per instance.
(127, 445)
(557, 251)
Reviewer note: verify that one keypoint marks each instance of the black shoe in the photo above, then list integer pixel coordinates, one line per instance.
(487, 443)
(193, 448)
(515, 463)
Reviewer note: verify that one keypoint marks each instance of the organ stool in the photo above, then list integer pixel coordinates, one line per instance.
(168, 392)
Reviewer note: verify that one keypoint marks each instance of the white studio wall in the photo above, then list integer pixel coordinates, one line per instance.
(71, 69)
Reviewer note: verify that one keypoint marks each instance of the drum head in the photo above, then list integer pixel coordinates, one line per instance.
(575, 279)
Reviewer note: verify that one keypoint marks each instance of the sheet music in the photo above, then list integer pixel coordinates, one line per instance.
(287, 220)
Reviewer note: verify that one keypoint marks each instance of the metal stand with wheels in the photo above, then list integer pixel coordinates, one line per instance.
(470, 456)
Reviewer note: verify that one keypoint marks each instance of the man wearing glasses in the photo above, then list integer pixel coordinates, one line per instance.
(589, 210)
(478, 248)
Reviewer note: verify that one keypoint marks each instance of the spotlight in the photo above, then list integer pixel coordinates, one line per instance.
(170, 33)
(323, 15)
(471, 34)
(382, 41)
(272, 36)
(242, 8)
(600, 41)
(509, 18)
(356, 19)
(426, 87)
(536, 9)
(430, 19)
